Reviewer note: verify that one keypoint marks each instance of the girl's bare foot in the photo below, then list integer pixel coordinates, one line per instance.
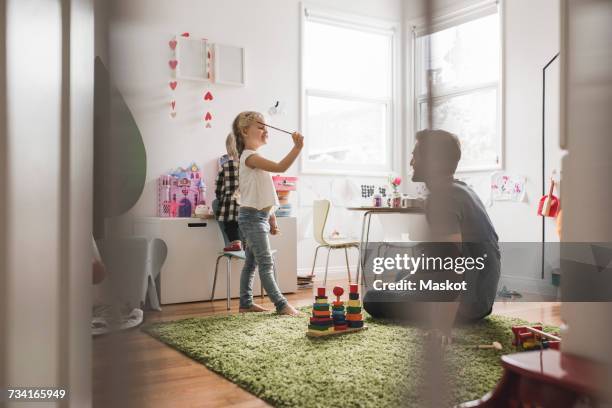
(289, 310)
(254, 308)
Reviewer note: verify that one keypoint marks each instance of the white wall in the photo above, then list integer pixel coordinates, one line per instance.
(269, 30)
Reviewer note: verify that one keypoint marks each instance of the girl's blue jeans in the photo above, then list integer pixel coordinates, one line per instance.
(254, 229)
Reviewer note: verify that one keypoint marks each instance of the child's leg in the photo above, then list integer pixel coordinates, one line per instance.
(260, 245)
(246, 280)
(255, 228)
(231, 229)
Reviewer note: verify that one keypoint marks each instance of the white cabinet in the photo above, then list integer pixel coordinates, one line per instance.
(193, 247)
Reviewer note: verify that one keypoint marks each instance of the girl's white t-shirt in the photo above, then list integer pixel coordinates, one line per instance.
(255, 185)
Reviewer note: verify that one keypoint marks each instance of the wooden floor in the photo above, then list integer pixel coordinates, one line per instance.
(134, 370)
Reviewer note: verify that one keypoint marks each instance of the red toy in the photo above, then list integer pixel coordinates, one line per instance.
(532, 337)
(549, 204)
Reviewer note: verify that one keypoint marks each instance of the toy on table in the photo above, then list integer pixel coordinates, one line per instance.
(180, 192)
(342, 320)
(532, 337)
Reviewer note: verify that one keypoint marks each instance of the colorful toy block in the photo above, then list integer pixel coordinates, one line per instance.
(341, 319)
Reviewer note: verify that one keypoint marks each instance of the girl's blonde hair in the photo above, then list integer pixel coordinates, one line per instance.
(230, 146)
(243, 121)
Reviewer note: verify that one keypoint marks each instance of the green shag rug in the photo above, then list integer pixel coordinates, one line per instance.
(271, 357)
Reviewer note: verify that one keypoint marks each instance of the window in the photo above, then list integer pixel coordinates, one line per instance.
(348, 109)
(463, 63)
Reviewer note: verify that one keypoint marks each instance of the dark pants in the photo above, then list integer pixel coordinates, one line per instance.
(410, 306)
(386, 304)
(231, 230)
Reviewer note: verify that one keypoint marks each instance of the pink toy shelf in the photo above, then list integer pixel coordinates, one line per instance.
(179, 192)
(284, 183)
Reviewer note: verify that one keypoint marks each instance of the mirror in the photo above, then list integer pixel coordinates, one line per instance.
(229, 65)
(192, 59)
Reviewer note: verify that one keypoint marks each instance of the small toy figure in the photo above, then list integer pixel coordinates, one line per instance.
(174, 207)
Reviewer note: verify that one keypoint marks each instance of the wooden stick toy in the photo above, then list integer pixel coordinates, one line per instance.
(495, 345)
(275, 128)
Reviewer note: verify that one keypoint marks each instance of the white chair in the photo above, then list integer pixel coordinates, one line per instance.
(228, 258)
(319, 215)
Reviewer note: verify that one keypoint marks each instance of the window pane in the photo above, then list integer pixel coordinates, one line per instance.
(462, 55)
(342, 131)
(347, 60)
(473, 118)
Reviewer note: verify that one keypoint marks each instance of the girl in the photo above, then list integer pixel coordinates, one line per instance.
(226, 207)
(257, 200)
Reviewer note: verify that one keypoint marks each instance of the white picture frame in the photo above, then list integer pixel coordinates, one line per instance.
(191, 55)
(229, 65)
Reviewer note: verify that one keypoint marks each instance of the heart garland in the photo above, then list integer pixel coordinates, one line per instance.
(208, 98)
(173, 83)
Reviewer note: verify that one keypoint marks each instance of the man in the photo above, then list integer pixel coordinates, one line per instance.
(459, 226)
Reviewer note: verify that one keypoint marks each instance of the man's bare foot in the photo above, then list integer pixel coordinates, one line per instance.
(289, 310)
(254, 308)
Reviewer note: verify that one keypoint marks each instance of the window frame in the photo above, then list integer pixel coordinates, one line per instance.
(442, 22)
(319, 14)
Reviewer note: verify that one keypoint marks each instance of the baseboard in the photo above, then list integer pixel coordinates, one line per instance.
(528, 285)
(333, 272)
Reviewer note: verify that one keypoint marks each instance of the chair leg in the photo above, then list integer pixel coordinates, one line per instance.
(212, 295)
(348, 269)
(314, 261)
(359, 277)
(326, 266)
(229, 281)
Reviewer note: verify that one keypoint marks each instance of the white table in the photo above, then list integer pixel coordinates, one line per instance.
(365, 230)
